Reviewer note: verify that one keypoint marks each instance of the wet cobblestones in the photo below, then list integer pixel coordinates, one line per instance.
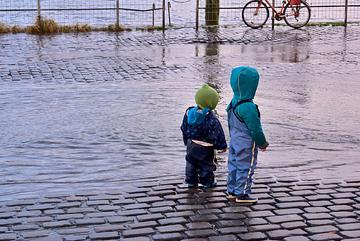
(87, 58)
(206, 216)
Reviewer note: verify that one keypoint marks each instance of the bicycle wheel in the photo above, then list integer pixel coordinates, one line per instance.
(255, 14)
(297, 16)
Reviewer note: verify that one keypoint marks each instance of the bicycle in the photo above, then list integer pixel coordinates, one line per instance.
(296, 13)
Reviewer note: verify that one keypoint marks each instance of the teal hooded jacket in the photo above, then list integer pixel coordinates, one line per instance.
(244, 81)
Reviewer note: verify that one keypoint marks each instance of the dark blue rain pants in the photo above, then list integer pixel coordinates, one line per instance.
(200, 164)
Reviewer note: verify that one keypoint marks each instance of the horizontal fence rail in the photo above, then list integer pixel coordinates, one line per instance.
(138, 13)
(339, 11)
(143, 13)
(78, 9)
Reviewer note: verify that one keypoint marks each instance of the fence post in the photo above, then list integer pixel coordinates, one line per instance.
(117, 24)
(197, 15)
(153, 14)
(273, 17)
(212, 12)
(163, 15)
(38, 11)
(346, 12)
(169, 13)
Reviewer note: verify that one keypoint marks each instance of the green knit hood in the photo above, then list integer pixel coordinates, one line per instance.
(207, 97)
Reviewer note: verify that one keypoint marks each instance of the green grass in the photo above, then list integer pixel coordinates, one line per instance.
(7, 29)
(49, 26)
(150, 28)
(319, 24)
(43, 26)
(79, 28)
(4, 28)
(113, 28)
(16, 29)
(324, 24)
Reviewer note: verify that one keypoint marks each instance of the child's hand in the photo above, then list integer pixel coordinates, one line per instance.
(263, 148)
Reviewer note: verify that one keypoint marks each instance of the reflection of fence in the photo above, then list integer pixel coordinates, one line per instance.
(142, 13)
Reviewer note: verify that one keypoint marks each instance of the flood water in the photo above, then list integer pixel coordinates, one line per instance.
(71, 133)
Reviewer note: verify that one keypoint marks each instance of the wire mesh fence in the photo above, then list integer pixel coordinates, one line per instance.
(92, 12)
(18, 12)
(334, 10)
(228, 12)
(140, 13)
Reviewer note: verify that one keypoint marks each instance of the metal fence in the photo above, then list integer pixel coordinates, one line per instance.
(93, 12)
(340, 11)
(140, 13)
(335, 10)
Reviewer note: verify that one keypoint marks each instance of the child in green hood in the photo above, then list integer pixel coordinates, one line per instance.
(202, 135)
(246, 134)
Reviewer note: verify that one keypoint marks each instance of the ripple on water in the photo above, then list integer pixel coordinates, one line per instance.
(58, 136)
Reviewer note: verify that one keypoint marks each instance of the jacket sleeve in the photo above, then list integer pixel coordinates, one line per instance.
(184, 128)
(249, 114)
(216, 134)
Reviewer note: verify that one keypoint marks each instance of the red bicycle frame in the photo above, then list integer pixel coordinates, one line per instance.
(271, 6)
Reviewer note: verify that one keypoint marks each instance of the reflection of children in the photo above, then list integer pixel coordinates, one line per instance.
(202, 134)
(246, 134)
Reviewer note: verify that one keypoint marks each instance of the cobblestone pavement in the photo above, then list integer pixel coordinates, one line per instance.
(288, 209)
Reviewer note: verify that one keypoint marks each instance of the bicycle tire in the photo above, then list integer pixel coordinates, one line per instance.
(305, 13)
(253, 5)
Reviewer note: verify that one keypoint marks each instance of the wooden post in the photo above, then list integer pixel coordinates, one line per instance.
(197, 15)
(163, 15)
(346, 12)
(38, 11)
(212, 12)
(169, 13)
(117, 24)
(153, 15)
(273, 17)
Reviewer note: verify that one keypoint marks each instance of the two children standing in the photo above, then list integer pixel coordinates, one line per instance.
(202, 134)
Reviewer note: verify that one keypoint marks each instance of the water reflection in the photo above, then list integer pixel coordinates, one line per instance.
(295, 50)
(345, 48)
(116, 115)
(211, 59)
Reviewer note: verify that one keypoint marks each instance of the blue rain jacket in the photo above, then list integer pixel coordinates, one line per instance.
(203, 125)
(244, 81)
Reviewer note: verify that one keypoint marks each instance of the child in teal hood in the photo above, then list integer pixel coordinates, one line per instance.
(246, 134)
(202, 135)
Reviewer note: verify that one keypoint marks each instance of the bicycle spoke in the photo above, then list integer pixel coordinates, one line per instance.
(297, 16)
(255, 14)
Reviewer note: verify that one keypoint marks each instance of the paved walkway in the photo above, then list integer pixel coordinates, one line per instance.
(289, 209)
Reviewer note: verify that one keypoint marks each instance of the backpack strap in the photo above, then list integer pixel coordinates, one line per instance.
(242, 102)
